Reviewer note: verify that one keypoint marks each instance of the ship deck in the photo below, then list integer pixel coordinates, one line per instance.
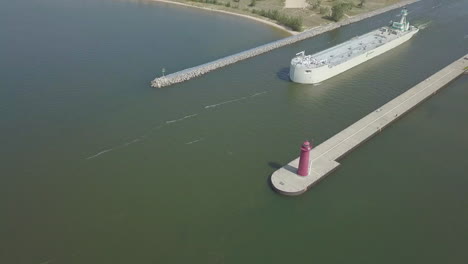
(351, 48)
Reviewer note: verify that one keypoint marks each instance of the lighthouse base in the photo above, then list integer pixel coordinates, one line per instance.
(287, 182)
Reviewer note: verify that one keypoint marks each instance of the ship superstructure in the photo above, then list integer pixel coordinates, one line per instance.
(330, 62)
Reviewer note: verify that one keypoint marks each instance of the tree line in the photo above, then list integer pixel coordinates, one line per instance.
(338, 9)
(295, 23)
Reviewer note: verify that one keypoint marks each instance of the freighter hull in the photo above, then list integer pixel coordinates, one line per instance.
(302, 74)
(335, 60)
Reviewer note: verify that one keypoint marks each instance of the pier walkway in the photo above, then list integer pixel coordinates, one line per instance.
(324, 157)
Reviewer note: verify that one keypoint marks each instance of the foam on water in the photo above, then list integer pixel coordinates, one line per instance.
(423, 25)
(128, 143)
(99, 153)
(181, 119)
(257, 94)
(225, 102)
(235, 100)
(194, 141)
(168, 122)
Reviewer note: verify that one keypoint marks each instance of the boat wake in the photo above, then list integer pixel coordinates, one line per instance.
(180, 119)
(424, 25)
(133, 141)
(168, 122)
(257, 94)
(235, 100)
(225, 102)
(195, 141)
(99, 153)
(128, 143)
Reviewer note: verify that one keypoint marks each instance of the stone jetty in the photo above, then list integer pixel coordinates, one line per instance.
(193, 72)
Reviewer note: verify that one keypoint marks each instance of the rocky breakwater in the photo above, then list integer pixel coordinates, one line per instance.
(193, 72)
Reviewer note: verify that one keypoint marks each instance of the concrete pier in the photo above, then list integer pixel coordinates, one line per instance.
(324, 156)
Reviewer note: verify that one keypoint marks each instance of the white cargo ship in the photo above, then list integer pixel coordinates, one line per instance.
(335, 60)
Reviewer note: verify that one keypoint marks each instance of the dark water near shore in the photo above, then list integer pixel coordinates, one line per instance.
(97, 167)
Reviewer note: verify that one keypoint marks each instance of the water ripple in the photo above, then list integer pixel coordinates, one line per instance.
(180, 119)
(140, 138)
(194, 141)
(235, 100)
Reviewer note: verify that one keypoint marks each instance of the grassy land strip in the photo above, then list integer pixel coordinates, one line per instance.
(294, 23)
(318, 12)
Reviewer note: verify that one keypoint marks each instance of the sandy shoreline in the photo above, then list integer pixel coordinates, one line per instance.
(270, 23)
(266, 21)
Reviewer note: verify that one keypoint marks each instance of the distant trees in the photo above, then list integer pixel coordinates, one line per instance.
(317, 4)
(295, 23)
(253, 3)
(361, 3)
(314, 5)
(213, 2)
(339, 9)
(324, 10)
(337, 12)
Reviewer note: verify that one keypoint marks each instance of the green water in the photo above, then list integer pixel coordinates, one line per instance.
(97, 167)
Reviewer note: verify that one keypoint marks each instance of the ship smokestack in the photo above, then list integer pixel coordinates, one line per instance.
(304, 162)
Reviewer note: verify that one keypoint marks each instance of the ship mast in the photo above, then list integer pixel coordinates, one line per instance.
(403, 25)
(404, 13)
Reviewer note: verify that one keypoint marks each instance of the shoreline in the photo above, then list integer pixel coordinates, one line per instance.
(272, 23)
(260, 20)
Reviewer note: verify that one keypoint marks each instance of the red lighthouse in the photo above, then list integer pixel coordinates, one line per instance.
(304, 162)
